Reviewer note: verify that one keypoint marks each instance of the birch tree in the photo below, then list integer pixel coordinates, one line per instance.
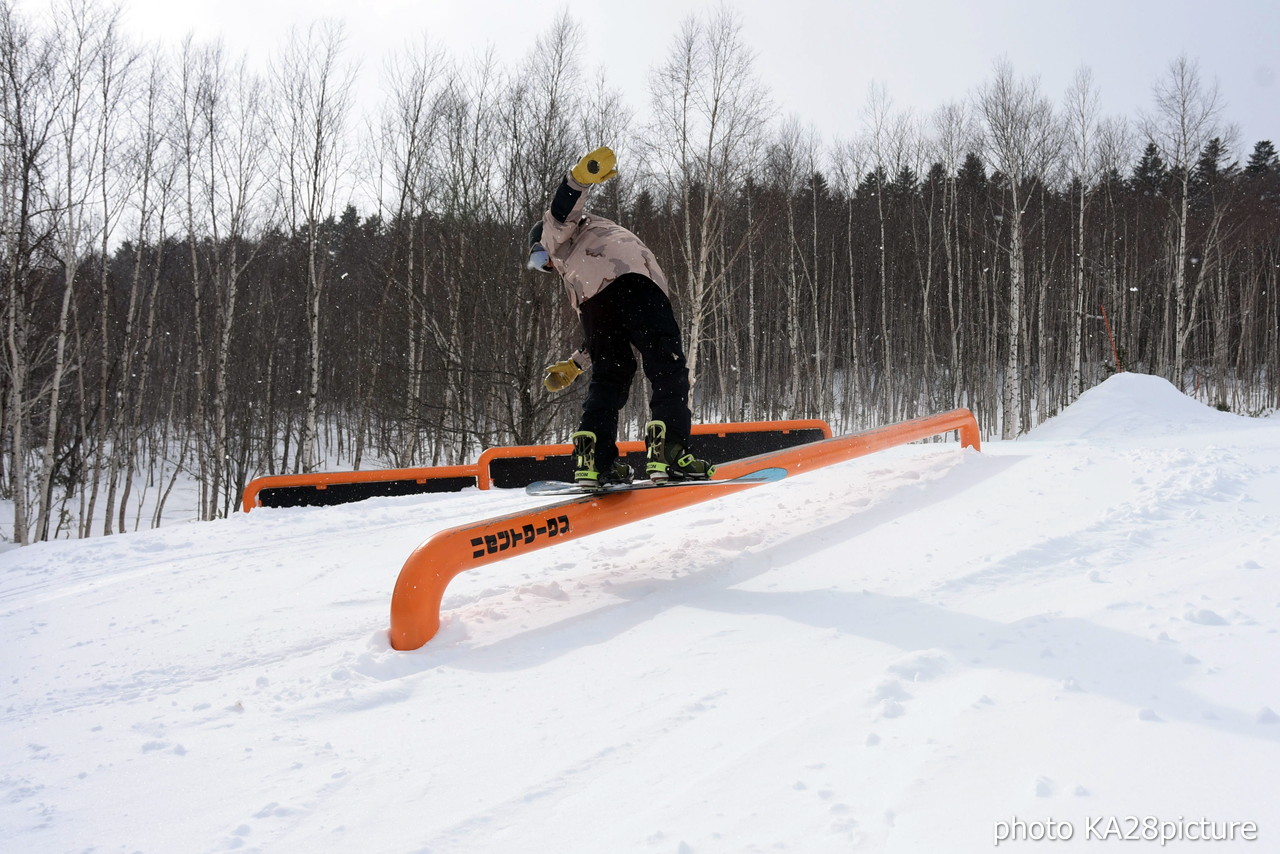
(605, 116)
(113, 77)
(955, 136)
(239, 214)
(792, 162)
(849, 164)
(1187, 115)
(311, 108)
(84, 35)
(709, 112)
(153, 171)
(408, 126)
(188, 133)
(544, 108)
(1022, 141)
(883, 143)
(545, 105)
(1080, 117)
(31, 99)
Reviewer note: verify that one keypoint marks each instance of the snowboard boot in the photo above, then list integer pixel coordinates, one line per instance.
(668, 460)
(585, 470)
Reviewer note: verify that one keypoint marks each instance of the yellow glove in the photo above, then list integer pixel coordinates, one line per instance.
(561, 375)
(599, 165)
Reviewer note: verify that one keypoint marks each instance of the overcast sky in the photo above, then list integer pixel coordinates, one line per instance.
(818, 57)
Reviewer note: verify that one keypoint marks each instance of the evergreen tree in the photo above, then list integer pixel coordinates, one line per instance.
(1264, 159)
(936, 176)
(1151, 175)
(873, 182)
(972, 175)
(904, 183)
(1210, 171)
(1209, 168)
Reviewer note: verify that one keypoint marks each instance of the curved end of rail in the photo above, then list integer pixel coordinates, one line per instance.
(415, 602)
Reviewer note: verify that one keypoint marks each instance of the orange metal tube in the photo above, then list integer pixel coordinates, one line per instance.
(320, 480)
(541, 452)
(480, 471)
(419, 590)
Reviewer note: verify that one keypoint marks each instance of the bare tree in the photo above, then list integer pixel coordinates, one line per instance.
(408, 127)
(1022, 142)
(32, 102)
(85, 35)
(460, 176)
(153, 169)
(412, 80)
(466, 157)
(709, 113)
(955, 136)
(849, 164)
(115, 62)
(188, 132)
(890, 140)
(240, 212)
(606, 116)
(1080, 116)
(1187, 116)
(792, 163)
(545, 106)
(312, 102)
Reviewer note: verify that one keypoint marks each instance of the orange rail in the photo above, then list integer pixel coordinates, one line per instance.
(321, 480)
(480, 471)
(415, 602)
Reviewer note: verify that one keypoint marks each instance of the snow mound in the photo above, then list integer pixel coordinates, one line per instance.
(1132, 405)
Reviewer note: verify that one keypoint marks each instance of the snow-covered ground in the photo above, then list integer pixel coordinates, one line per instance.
(915, 651)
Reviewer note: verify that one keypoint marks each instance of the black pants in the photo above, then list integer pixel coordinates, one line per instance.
(632, 311)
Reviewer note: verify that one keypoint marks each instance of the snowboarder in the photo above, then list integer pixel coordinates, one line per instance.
(620, 293)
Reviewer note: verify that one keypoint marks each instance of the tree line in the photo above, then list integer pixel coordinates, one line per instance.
(213, 271)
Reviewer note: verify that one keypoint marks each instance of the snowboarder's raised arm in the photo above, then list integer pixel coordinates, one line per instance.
(569, 201)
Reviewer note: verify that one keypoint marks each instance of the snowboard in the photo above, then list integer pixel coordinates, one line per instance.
(559, 487)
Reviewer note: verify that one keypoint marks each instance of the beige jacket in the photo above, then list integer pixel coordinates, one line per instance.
(590, 251)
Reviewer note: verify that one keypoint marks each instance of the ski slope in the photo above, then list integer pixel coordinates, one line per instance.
(894, 654)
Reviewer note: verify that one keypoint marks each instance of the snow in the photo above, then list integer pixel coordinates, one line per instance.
(898, 653)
